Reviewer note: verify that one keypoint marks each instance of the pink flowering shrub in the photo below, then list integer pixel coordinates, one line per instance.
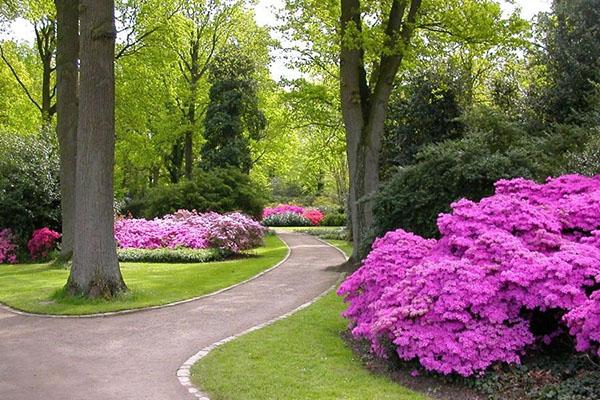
(8, 248)
(233, 232)
(282, 209)
(467, 301)
(291, 215)
(42, 242)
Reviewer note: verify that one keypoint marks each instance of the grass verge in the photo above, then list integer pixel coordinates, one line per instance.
(38, 287)
(301, 357)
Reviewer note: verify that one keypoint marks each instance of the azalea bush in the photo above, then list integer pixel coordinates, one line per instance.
(234, 232)
(42, 242)
(8, 248)
(512, 271)
(291, 215)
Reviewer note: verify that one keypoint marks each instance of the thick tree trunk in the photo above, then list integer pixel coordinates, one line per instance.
(364, 108)
(67, 12)
(95, 271)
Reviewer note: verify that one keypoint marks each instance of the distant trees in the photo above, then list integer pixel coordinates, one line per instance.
(233, 117)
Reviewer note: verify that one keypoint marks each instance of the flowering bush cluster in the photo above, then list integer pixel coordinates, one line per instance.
(472, 298)
(8, 247)
(291, 215)
(232, 232)
(42, 242)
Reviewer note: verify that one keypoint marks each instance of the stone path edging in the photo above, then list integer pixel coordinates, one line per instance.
(157, 307)
(184, 372)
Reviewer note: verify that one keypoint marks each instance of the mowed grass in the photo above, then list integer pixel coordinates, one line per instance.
(38, 287)
(301, 357)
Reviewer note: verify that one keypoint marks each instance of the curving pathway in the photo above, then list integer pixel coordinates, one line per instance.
(136, 356)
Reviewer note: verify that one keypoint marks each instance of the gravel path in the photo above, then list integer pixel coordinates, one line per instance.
(136, 356)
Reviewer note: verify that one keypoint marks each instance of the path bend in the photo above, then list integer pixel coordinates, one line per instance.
(136, 356)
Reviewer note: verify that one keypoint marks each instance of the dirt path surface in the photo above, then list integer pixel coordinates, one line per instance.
(136, 356)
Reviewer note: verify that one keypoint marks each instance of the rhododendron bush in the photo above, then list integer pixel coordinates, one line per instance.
(8, 247)
(42, 242)
(291, 215)
(468, 300)
(232, 232)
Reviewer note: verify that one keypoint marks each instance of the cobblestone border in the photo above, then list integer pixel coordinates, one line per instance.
(184, 372)
(12, 310)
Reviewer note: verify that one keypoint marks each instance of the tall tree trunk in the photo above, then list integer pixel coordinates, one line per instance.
(189, 154)
(67, 12)
(95, 271)
(364, 108)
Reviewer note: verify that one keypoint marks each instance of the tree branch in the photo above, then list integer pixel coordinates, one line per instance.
(19, 81)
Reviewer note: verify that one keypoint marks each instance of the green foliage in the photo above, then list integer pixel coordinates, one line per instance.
(334, 218)
(425, 110)
(493, 148)
(556, 374)
(220, 190)
(178, 256)
(29, 188)
(232, 117)
(571, 38)
(586, 162)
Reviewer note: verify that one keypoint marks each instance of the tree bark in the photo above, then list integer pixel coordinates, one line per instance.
(95, 271)
(67, 12)
(364, 108)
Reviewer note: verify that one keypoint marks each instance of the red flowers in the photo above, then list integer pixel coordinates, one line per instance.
(42, 242)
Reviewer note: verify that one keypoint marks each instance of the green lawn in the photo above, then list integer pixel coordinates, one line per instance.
(38, 287)
(301, 357)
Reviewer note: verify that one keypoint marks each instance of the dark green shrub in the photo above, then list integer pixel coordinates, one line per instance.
(493, 149)
(219, 190)
(182, 255)
(29, 186)
(334, 219)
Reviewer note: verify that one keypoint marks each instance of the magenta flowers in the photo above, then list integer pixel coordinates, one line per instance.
(464, 302)
(232, 232)
(42, 242)
(8, 247)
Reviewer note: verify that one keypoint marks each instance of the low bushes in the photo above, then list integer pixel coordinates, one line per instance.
(326, 233)
(232, 232)
(8, 248)
(220, 190)
(179, 255)
(42, 242)
(291, 215)
(334, 219)
(29, 188)
(515, 270)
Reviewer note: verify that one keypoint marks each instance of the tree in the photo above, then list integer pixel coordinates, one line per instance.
(571, 41)
(95, 271)
(233, 117)
(209, 26)
(364, 105)
(42, 15)
(424, 111)
(67, 12)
